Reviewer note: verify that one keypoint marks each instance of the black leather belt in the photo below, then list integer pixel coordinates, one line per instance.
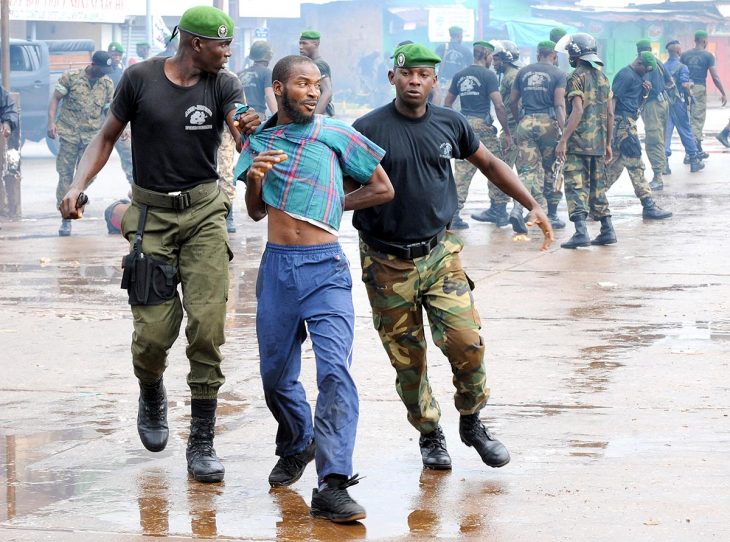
(405, 251)
(179, 202)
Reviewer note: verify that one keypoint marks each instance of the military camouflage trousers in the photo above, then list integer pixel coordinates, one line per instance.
(399, 290)
(464, 170)
(124, 149)
(624, 127)
(585, 186)
(510, 156)
(698, 111)
(537, 137)
(69, 154)
(226, 164)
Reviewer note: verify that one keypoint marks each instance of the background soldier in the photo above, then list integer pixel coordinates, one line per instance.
(477, 87)
(86, 94)
(699, 61)
(309, 47)
(541, 87)
(256, 79)
(654, 114)
(411, 263)
(585, 145)
(123, 145)
(10, 178)
(630, 91)
(679, 113)
(454, 57)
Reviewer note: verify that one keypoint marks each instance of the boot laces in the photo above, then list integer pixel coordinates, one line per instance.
(475, 429)
(434, 440)
(340, 495)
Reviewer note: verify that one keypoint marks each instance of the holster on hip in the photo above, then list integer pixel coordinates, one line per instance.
(148, 280)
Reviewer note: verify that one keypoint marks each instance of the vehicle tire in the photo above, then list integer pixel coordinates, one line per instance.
(52, 145)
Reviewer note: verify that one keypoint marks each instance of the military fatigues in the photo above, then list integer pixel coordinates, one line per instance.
(226, 163)
(584, 170)
(10, 202)
(124, 149)
(654, 115)
(80, 118)
(505, 89)
(699, 61)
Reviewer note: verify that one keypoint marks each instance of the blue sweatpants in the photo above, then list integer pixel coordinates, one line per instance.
(679, 117)
(300, 289)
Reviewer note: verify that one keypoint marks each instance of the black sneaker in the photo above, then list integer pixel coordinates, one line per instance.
(473, 433)
(433, 450)
(289, 469)
(334, 502)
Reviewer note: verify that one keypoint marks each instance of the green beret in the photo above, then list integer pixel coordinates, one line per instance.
(557, 33)
(310, 35)
(484, 44)
(115, 47)
(207, 22)
(643, 45)
(647, 59)
(701, 34)
(414, 55)
(547, 44)
(455, 30)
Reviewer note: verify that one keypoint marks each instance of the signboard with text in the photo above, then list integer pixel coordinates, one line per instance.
(97, 11)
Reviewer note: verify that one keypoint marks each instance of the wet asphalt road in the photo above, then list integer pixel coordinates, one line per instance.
(608, 368)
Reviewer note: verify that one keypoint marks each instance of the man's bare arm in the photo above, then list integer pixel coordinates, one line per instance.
(376, 191)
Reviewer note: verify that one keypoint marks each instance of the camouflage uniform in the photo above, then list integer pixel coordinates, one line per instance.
(10, 204)
(124, 149)
(505, 89)
(226, 163)
(82, 113)
(398, 289)
(584, 171)
(624, 127)
(698, 111)
(537, 136)
(464, 170)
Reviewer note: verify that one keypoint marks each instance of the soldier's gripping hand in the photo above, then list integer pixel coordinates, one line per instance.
(247, 122)
(70, 206)
(538, 217)
(263, 163)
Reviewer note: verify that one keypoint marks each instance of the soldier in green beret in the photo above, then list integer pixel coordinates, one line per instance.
(178, 108)
(123, 145)
(143, 49)
(309, 47)
(557, 33)
(699, 61)
(454, 57)
(410, 261)
(477, 88)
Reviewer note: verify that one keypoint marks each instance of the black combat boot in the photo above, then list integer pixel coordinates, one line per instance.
(487, 215)
(687, 159)
(203, 464)
(722, 137)
(473, 433)
(667, 170)
(702, 154)
(556, 223)
(517, 220)
(652, 211)
(65, 229)
(501, 217)
(607, 235)
(657, 183)
(334, 502)
(290, 468)
(152, 416)
(457, 223)
(433, 450)
(230, 225)
(580, 237)
(695, 164)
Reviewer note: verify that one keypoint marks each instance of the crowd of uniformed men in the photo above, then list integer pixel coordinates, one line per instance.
(302, 168)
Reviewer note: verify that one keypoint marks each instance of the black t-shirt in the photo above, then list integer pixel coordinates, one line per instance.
(628, 90)
(454, 57)
(176, 130)
(255, 80)
(116, 75)
(325, 70)
(698, 61)
(417, 160)
(536, 84)
(473, 85)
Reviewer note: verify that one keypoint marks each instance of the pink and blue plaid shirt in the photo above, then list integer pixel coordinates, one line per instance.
(320, 153)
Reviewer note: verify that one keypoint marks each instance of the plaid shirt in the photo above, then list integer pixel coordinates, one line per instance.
(320, 153)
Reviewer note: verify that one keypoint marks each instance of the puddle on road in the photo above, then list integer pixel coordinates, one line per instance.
(590, 449)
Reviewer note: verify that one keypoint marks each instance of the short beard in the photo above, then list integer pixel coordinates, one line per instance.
(296, 116)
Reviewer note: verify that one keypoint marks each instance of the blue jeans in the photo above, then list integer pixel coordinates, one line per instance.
(679, 117)
(300, 289)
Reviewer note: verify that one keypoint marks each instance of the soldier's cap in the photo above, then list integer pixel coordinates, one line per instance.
(310, 35)
(260, 50)
(115, 47)
(103, 61)
(648, 60)
(547, 45)
(701, 34)
(454, 30)
(557, 33)
(670, 43)
(142, 44)
(643, 45)
(414, 55)
(205, 22)
(485, 44)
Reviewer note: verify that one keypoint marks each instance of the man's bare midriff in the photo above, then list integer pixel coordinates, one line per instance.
(286, 230)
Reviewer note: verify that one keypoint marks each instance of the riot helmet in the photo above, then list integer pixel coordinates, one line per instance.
(579, 46)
